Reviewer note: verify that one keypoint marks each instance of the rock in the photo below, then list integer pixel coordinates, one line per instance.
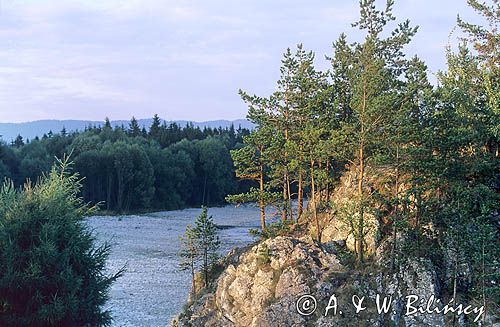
(421, 280)
(291, 283)
(337, 224)
(263, 287)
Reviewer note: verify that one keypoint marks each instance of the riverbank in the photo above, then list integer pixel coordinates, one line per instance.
(153, 290)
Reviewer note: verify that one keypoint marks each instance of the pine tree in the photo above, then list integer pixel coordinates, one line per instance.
(405, 153)
(207, 242)
(376, 65)
(485, 40)
(18, 142)
(189, 255)
(260, 112)
(466, 169)
(251, 163)
(107, 123)
(144, 132)
(155, 129)
(286, 112)
(134, 130)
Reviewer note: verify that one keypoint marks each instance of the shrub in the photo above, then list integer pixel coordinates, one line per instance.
(51, 272)
(278, 228)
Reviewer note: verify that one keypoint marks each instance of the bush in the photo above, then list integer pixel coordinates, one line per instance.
(51, 272)
(278, 228)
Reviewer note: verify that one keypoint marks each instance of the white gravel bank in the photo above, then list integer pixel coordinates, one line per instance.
(153, 290)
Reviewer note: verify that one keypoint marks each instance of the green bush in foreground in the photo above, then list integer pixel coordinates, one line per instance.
(51, 272)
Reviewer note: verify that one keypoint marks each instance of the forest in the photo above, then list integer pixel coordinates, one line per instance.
(424, 158)
(131, 168)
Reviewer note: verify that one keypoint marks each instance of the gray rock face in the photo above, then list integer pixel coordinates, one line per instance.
(260, 287)
(417, 279)
(263, 287)
(337, 223)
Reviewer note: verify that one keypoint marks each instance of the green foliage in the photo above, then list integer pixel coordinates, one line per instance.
(255, 196)
(134, 130)
(216, 168)
(129, 169)
(347, 258)
(189, 248)
(200, 247)
(51, 271)
(189, 254)
(265, 254)
(423, 159)
(277, 228)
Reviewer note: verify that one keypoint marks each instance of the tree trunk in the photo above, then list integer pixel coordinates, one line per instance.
(361, 221)
(119, 197)
(289, 203)
(284, 211)
(327, 180)
(108, 195)
(193, 281)
(288, 211)
(205, 267)
(313, 199)
(261, 199)
(300, 196)
(360, 236)
(204, 190)
(396, 213)
(320, 186)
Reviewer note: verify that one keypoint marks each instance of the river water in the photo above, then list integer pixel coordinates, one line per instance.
(153, 290)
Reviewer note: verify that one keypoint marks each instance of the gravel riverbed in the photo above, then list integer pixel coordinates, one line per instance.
(153, 290)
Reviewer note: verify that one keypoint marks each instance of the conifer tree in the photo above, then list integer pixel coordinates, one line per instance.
(107, 123)
(51, 271)
(374, 69)
(207, 242)
(189, 255)
(466, 166)
(250, 163)
(155, 128)
(134, 130)
(18, 142)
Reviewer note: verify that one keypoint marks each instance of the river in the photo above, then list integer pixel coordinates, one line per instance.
(153, 290)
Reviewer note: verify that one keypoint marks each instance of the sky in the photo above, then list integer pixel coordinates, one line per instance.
(183, 59)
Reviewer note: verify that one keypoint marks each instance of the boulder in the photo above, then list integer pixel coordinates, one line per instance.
(263, 287)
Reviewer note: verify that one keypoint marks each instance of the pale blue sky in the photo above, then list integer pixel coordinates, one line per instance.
(181, 59)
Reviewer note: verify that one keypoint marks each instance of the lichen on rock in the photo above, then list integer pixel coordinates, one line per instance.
(259, 292)
(261, 285)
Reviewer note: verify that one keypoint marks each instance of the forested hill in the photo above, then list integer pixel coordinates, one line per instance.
(29, 130)
(133, 168)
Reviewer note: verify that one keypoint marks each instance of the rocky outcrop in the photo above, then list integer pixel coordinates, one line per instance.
(338, 221)
(273, 275)
(261, 286)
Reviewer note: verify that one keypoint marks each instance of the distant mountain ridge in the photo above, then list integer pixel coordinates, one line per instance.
(29, 130)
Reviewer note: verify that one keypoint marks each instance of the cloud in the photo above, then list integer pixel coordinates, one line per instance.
(182, 59)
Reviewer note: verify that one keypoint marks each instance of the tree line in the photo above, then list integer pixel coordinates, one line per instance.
(425, 159)
(131, 168)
